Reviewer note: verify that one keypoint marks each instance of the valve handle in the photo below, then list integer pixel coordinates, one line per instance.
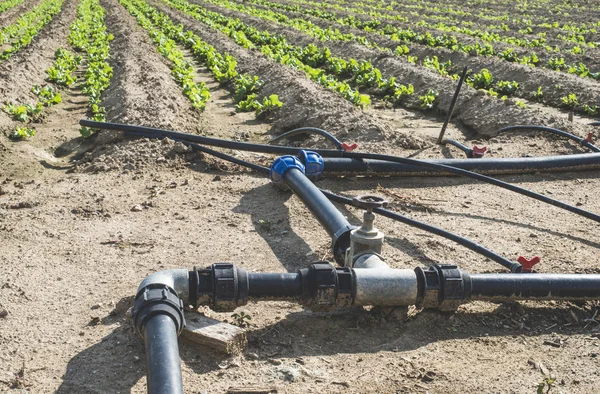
(528, 263)
(370, 202)
(478, 152)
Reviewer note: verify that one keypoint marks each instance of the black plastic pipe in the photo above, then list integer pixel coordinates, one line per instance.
(162, 356)
(280, 286)
(463, 75)
(501, 166)
(336, 225)
(309, 130)
(467, 243)
(562, 133)
(534, 287)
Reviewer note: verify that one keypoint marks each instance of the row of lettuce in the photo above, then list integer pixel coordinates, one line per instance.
(86, 67)
(90, 41)
(271, 11)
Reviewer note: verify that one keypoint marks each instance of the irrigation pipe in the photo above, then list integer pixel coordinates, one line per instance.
(358, 155)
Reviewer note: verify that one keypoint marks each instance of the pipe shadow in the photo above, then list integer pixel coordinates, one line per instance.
(374, 331)
(519, 224)
(115, 364)
(272, 222)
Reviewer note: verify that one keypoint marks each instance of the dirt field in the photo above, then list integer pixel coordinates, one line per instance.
(83, 221)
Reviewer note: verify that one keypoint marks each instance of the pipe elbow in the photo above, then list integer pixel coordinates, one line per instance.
(176, 279)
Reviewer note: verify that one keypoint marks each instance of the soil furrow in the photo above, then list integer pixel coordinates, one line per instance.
(142, 90)
(28, 67)
(305, 103)
(11, 15)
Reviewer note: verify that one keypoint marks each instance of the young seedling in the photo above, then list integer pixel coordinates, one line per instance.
(241, 319)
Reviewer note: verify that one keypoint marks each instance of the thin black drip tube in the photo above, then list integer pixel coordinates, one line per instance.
(562, 133)
(467, 243)
(334, 153)
(309, 130)
(468, 151)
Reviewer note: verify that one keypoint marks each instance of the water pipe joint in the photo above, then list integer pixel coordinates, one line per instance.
(157, 299)
(366, 240)
(283, 164)
(313, 164)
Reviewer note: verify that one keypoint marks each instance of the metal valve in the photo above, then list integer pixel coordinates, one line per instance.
(366, 241)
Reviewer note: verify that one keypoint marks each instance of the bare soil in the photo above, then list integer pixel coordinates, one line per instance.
(83, 222)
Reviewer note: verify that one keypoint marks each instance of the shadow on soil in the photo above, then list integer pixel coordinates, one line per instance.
(116, 363)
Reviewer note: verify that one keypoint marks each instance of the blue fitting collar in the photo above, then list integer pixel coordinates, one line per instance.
(282, 164)
(313, 163)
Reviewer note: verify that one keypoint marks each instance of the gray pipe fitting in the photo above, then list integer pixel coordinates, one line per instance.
(385, 287)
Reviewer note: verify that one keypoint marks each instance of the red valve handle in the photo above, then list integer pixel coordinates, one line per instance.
(589, 137)
(479, 152)
(528, 264)
(349, 148)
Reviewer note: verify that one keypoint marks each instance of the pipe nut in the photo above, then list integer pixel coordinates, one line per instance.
(157, 299)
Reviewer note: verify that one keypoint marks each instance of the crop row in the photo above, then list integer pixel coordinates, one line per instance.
(448, 41)
(8, 4)
(450, 12)
(21, 33)
(499, 88)
(275, 48)
(89, 35)
(444, 68)
(223, 67)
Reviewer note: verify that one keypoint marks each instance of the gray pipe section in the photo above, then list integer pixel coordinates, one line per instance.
(488, 166)
(385, 287)
(177, 279)
(162, 356)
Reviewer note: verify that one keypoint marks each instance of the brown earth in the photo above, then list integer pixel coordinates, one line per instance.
(74, 251)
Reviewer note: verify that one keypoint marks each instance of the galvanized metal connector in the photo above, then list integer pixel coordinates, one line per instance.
(366, 240)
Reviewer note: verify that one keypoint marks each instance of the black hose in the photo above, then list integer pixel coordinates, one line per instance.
(334, 153)
(332, 220)
(308, 130)
(484, 178)
(473, 246)
(562, 133)
(468, 151)
(595, 124)
(280, 286)
(492, 287)
(467, 243)
(162, 356)
(501, 166)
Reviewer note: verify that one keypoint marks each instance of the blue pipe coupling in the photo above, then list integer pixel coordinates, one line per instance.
(313, 164)
(309, 162)
(283, 164)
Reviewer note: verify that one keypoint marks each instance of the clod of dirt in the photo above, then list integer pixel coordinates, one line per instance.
(289, 374)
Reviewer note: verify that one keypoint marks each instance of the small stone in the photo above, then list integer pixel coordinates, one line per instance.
(97, 306)
(275, 361)
(594, 355)
(136, 358)
(217, 178)
(137, 208)
(252, 356)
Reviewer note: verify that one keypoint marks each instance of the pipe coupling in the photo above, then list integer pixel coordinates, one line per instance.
(222, 286)
(443, 287)
(283, 164)
(157, 299)
(313, 164)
